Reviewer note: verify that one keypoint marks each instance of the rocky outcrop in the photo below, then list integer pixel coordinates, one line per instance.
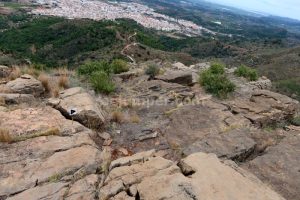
(46, 154)
(193, 127)
(26, 84)
(180, 77)
(17, 98)
(279, 166)
(235, 145)
(265, 107)
(78, 105)
(4, 71)
(196, 177)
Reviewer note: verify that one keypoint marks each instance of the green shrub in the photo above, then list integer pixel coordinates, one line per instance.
(119, 66)
(217, 68)
(91, 67)
(152, 70)
(101, 82)
(246, 72)
(296, 121)
(215, 81)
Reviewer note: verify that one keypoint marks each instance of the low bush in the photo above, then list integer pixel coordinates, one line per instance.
(246, 72)
(101, 82)
(215, 81)
(152, 70)
(296, 121)
(91, 67)
(217, 68)
(119, 66)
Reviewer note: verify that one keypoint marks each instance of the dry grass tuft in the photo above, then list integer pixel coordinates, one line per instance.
(117, 116)
(44, 78)
(15, 73)
(2, 101)
(55, 91)
(5, 136)
(63, 81)
(4, 89)
(31, 71)
(135, 118)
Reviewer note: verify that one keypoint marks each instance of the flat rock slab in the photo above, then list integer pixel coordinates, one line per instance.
(279, 167)
(265, 107)
(34, 121)
(26, 84)
(76, 104)
(158, 178)
(33, 167)
(180, 77)
(235, 145)
(17, 98)
(195, 122)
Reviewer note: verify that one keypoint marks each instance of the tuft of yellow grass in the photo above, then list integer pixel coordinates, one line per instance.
(5, 136)
(63, 81)
(44, 79)
(2, 101)
(135, 118)
(55, 91)
(31, 71)
(118, 116)
(15, 73)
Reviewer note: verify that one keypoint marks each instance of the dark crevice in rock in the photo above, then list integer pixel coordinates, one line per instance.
(186, 170)
(137, 196)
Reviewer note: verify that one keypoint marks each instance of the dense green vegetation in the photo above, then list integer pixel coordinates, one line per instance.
(102, 82)
(246, 72)
(99, 74)
(214, 81)
(56, 41)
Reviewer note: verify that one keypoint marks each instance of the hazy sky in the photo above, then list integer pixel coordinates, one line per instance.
(286, 8)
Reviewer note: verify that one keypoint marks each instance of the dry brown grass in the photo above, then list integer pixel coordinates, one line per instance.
(31, 71)
(55, 91)
(118, 116)
(2, 101)
(15, 73)
(5, 136)
(135, 118)
(63, 81)
(4, 89)
(44, 78)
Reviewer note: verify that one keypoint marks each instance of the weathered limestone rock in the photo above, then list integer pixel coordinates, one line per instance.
(17, 98)
(234, 145)
(265, 107)
(279, 166)
(76, 104)
(180, 77)
(193, 123)
(40, 121)
(4, 71)
(25, 174)
(49, 191)
(262, 83)
(84, 188)
(41, 156)
(158, 178)
(26, 84)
